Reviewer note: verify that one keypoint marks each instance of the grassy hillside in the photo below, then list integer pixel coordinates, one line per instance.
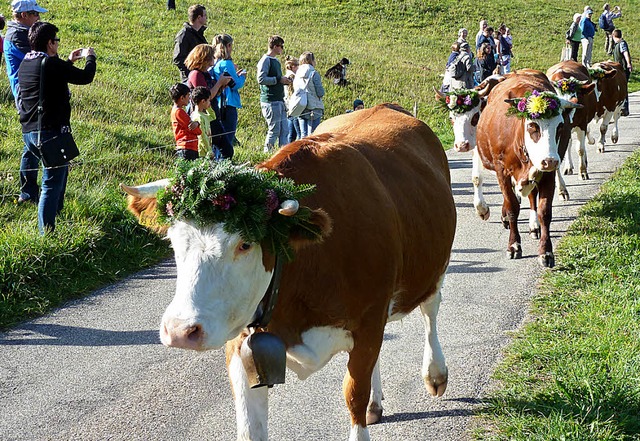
(121, 121)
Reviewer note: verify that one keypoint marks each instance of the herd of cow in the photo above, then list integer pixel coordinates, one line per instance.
(523, 152)
(386, 218)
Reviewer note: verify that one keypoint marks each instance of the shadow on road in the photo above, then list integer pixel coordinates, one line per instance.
(32, 334)
(412, 416)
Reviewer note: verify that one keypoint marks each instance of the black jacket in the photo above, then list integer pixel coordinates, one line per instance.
(186, 39)
(58, 74)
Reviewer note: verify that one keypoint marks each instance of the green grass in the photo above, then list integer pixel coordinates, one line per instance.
(121, 120)
(573, 372)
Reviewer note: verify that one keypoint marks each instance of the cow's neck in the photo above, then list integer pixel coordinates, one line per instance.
(263, 313)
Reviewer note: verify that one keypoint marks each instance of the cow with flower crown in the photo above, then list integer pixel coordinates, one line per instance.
(522, 135)
(310, 254)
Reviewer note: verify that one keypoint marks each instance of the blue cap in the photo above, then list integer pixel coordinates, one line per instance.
(26, 6)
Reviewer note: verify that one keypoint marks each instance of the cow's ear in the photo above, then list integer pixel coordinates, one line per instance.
(586, 89)
(610, 73)
(315, 229)
(144, 207)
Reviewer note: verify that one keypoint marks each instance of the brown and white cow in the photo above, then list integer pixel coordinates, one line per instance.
(611, 91)
(524, 154)
(464, 135)
(382, 182)
(572, 82)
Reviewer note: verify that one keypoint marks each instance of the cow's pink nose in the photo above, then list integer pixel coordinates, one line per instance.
(176, 333)
(549, 164)
(462, 147)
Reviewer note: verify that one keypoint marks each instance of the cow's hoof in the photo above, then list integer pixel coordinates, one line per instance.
(534, 233)
(374, 414)
(584, 176)
(568, 171)
(614, 139)
(436, 385)
(483, 212)
(601, 148)
(547, 260)
(564, 194)
(515, 251)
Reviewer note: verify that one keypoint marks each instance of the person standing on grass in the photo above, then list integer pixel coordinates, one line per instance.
(56, 112)
(201, 97)
(588, 29)
(483, 26)
(229, 99)
(621, 55)
(191, 35)
(185, 131)
(606, 24)
(291, 65)
(462, 35)
(307, 76)
(574, 35)
(272, 84)
(15, 47)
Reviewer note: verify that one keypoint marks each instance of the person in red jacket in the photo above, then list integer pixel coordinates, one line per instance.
(185, 131)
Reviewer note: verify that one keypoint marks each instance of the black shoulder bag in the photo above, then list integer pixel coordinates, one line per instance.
(60, 149)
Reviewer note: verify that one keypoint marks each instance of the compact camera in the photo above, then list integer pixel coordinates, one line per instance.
(231, 83)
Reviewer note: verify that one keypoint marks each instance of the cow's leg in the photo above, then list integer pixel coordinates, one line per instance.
(482, 209)
(546, 188)
(616, 116)
(534, 225)
(251, 404)
(510, 213)
(604, 124)
(374, 410)
(357, 381)
(562, 187)
(568, 162)
(434, 368)
(591, 128)
(581, 148)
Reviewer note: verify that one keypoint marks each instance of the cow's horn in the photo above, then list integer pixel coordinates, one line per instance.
(289, 207)
(565, 104)
(439, 93)
(145, 190)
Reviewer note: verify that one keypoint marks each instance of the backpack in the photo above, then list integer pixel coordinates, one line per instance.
(602, 22)
(457, 68)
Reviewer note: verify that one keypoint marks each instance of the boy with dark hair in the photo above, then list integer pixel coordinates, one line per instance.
(201, 97)
(185, 131)
(621, 55)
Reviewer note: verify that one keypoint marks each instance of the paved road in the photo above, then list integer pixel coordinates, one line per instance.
(95, 370)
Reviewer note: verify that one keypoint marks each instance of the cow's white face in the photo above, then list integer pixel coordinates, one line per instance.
(465, 128)
(541, 138)
(221, 280)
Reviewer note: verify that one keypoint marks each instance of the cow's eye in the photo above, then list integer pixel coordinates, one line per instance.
(244, 246)
(474, 119)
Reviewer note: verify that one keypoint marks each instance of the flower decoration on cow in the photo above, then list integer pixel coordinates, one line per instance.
(258, 205)
(460, 100)
(535, 105)
(567, 85)
(597, 73)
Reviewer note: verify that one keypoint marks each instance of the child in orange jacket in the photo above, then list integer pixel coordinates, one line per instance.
(185, 131)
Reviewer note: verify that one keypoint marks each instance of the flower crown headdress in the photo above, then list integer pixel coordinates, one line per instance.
(567, 85)
(597, 73)
(535, 105)
(460, 100)
(243, 199)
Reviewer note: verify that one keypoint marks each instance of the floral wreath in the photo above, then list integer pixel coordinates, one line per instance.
(460, 100)
(535, 105)
(597, 73)
(243, 199)
(567, 85)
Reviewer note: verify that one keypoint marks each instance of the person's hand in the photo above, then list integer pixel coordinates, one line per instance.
(193, 125)
(224, 80)
(285, 80)
(90, 51)
(242, 73)
(75, 55)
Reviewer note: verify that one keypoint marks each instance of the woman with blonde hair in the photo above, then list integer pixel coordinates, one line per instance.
(307, 77)
(199, 61)
(291, 65)
(229, 99)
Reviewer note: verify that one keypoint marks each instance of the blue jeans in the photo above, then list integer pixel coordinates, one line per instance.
(54, 183)
(307, 126)
(294, 129)
(29, 164)
(277, 126)
(230, 122)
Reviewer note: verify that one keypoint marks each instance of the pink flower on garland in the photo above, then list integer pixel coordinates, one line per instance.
(522, 105)
(169, 208)
(224, 202)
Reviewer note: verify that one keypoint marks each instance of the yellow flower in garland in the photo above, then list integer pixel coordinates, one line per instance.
(537, 104)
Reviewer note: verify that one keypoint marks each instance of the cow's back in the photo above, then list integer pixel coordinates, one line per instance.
(382, 176)
(568, 69)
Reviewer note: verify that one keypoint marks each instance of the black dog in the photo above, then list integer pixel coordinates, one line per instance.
(338, 73)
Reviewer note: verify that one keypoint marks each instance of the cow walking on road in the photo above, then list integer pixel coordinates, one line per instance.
(519, 135)
(386, 219)
(611, 93)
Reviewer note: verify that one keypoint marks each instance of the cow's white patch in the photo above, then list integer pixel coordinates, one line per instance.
(251, 404)
(546, 148)
(317, 348)
(218, 286)
(376, 396)
(359, 433)
(533, 220)
(464, 132)
(434, 367)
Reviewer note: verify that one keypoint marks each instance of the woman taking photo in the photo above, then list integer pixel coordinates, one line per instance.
(229, 99)
(307, 77)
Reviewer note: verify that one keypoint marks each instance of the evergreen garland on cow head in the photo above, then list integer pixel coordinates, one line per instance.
(243, 199)
(460, 100)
